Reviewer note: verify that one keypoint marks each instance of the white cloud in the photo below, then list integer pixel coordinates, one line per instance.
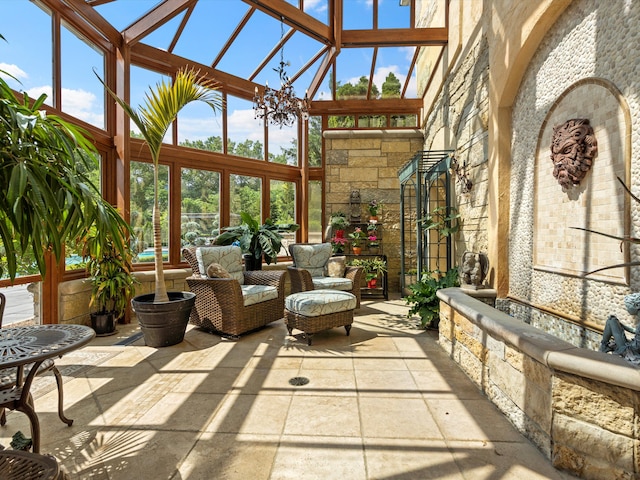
(13, 70)
(316, 5)
(78, 103)
(35, 92)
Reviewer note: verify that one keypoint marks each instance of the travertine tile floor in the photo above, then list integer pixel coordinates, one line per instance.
(384, 403)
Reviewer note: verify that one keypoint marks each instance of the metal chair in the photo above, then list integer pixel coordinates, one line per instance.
(8, 376)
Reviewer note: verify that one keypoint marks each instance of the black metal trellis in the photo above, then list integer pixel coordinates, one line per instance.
(425, 184)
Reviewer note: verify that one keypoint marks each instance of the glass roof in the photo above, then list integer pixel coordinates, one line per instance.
(243, 38)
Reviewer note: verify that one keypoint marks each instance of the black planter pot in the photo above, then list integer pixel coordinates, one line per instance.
(163, 324)
(251, 262)
(103, 323)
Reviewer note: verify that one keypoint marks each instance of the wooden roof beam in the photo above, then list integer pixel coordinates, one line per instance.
(161, 14)
(328, 60)
(395, 37)
(294, 17)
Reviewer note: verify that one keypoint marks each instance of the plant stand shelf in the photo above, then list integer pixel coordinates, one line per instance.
(381, 290)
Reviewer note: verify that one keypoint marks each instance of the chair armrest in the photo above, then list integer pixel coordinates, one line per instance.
(227, 291)
(354, 274)
(272, 278)
(300, 279)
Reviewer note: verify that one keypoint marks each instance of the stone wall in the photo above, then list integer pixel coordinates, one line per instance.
(74, 295)
(368, 161)
(582, 69)
(581, 408)
(457, 120)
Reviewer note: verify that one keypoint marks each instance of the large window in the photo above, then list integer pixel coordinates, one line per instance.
(315, 211)
(245, 196)
(73, 253)
(283, 145)
(200, 214)
(142, 210)
(82, 94)
(283, 208)
(315, 142)
(27, 53)
(245, 134)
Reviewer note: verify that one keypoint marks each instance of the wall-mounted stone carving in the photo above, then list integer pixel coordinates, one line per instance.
(573, 148)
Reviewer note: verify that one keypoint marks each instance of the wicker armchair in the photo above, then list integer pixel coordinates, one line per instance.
(311, 260)
(224, 305)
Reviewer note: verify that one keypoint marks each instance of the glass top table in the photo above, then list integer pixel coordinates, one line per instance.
(30, 346)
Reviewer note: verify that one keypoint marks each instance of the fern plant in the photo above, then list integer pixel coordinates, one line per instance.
(423, 299)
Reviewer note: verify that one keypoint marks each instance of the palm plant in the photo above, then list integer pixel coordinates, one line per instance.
(153, 119)
(47, 197)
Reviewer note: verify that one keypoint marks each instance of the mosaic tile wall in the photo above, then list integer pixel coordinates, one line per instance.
(559, 327)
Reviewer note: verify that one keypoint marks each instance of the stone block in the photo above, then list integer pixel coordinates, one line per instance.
(606, 406)
(366, 162)
(389, 183)
(537, 373)
(355, 143)
(509, 380)
(400, 145)
(581, 437)
(337, 157)
(373, 154)
(470, 364)
(357, 176)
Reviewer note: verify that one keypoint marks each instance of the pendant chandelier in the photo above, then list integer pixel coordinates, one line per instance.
(280, 107)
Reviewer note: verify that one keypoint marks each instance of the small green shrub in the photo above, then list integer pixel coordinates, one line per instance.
(423, 298)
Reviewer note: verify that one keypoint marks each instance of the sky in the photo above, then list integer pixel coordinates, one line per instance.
(201, 40)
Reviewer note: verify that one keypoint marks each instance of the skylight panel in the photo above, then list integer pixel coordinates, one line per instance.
(209, 27)
(123, 13)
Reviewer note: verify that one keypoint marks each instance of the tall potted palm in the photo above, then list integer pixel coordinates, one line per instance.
(163, 315)
(47, 199)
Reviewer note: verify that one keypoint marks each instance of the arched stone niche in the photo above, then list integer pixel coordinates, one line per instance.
(599, 202)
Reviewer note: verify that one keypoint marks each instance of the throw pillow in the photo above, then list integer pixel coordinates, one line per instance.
(335, 267)
(215, 270)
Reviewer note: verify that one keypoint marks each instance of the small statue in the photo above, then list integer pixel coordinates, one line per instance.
(614, 339)
(354, 207)
(473, 270)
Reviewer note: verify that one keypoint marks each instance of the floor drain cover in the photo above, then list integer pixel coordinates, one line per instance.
(297, 381)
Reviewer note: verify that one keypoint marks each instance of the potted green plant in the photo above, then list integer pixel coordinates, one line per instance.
(373, 207)
(48, 199)
(423, 298)
(372, 269)
(256, 241)
(163, 315)
(113, 284)
(357, 239)
(338, 221)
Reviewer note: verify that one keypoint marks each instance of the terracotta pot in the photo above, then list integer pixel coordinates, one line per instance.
(373, 219)
(357, 250)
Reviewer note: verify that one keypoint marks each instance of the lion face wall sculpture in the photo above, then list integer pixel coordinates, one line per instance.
(573, 147)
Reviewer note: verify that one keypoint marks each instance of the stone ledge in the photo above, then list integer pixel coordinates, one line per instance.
(543, 347)
(395, 133)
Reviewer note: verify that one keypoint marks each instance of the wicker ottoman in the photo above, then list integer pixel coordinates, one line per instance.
(317, 310)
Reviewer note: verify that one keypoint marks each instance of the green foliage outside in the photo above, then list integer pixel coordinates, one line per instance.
(423, 299)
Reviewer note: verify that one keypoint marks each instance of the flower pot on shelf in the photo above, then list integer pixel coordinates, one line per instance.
(357, 250)
(373, 219)
(372, 283)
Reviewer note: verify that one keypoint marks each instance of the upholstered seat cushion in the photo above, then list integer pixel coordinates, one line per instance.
(252, 294)
(332, 283)
(228, 257)
(320, 302)
(311, 256)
